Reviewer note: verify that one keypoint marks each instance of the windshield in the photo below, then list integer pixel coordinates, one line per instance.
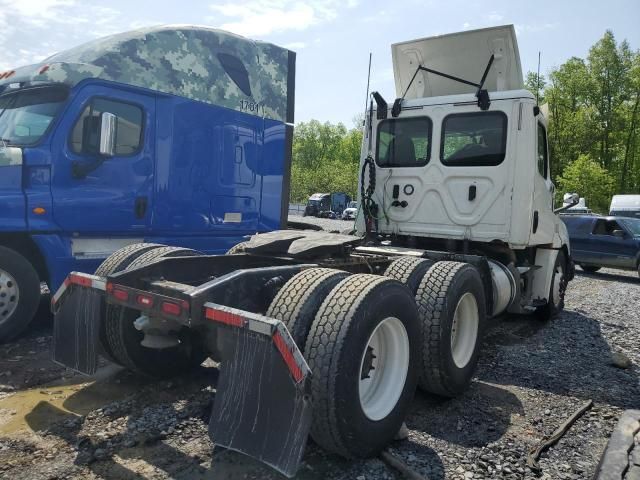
(26, 114)
(633, 225)
(352, 205)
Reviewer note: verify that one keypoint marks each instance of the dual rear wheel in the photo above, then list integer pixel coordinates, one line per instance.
(370, 340)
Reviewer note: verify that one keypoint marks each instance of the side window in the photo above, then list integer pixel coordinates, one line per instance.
(606, 227)
(404, 142)
(474, 139)
(543, 156)
(86, 132)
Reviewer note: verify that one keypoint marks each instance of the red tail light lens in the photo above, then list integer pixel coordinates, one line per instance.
(120, 294)
(171, 308)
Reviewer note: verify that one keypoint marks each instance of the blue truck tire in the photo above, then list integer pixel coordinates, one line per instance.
(124, 340)
(116, 262)
(19, 293)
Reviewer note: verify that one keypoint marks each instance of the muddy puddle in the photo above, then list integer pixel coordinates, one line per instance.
(40, 407)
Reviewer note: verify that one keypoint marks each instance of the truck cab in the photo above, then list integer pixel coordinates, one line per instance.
(178, 135)
(462, 170)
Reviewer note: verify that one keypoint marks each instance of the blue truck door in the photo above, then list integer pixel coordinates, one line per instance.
(208, 181)
(98, 195)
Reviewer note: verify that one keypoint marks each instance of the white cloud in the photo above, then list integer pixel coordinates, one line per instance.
(264, 17)
(25, 23)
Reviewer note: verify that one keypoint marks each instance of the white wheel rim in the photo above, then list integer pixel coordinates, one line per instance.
(379, 393)
(9, 295)
(557, 282)
(464, 330)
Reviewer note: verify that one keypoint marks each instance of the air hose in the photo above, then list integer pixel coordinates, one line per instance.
(369, 206)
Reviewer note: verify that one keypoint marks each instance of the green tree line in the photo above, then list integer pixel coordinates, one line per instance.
(594, 111)
(594, 131)
(325, 159)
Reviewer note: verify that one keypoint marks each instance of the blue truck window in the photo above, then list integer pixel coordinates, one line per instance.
(404, 142)
(474, 139)
(543, 157)
(84, 137)
(25, 115)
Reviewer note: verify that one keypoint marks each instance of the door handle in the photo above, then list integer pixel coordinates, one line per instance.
(140, 207)
(472, 192)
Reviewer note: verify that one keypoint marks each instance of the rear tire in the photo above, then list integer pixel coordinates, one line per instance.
(366, 334)
(114, 263)
(124, 339)
(409, 270)
(298, 301)
(590, 268)
(19, 294)
(451, 303)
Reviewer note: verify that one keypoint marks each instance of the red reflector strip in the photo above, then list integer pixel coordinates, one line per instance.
(120, 294)
(171, 308)
(78, 280)
(144, 300)
(288, 357)
(225, 317)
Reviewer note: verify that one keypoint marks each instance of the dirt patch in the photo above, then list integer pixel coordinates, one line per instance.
(532, 375)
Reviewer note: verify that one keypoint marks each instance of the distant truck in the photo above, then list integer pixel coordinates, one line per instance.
(174, 135)
(625, 206)
(326, 205)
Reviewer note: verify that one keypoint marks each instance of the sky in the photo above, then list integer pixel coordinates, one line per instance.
(332, 38)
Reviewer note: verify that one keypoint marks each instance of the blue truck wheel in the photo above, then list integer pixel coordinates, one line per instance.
(116, 262)
(124, 339)
(19, 293)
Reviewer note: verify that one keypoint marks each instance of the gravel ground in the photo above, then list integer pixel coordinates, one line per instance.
(531, 377)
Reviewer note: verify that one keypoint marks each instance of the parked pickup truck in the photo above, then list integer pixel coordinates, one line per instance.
(604, 241)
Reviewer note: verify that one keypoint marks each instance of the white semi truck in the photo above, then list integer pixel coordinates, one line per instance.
(328, 334)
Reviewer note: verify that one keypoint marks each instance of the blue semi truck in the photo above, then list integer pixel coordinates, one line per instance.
(177, 135)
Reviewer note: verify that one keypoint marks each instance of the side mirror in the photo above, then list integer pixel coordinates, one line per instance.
(108, 129)
(570, 200)
(619, 233)
(10, 155)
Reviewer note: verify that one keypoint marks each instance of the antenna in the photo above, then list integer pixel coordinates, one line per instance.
(538, 81)
(366, 99)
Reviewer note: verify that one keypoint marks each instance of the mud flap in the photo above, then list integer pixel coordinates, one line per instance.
(262, 405)
(77, 310)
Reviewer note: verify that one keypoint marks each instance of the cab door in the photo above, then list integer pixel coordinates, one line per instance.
(543, 221)
(98, 195)
(446, 173)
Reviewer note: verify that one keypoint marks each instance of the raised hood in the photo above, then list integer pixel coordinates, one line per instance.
(464, 55)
